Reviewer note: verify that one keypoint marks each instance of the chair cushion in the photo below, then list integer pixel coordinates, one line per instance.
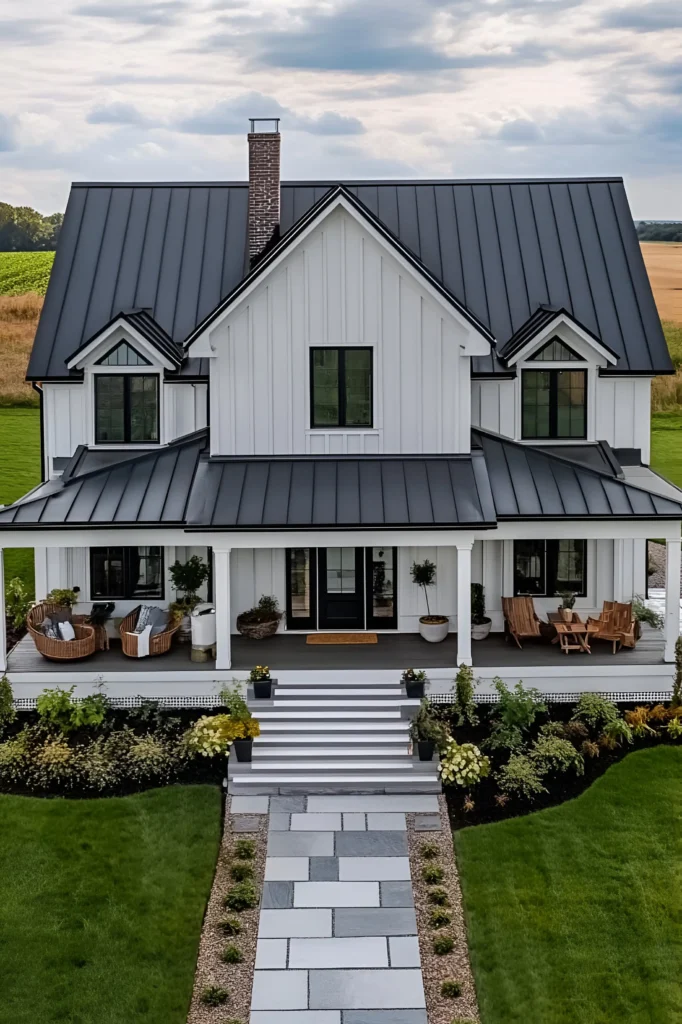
(66, 630)
(49, 629)
(142, 618)
(158, 620)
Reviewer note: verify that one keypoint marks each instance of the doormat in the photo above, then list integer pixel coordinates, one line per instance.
(341, 638)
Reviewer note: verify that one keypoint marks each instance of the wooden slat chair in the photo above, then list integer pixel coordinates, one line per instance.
(616, 625)
(520, 617)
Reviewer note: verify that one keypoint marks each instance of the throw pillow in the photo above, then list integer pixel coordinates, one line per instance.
(49, 629)
(142, 618)
(66, 631)
(158, 620)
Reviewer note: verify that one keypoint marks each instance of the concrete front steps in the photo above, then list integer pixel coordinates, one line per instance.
(333, 738)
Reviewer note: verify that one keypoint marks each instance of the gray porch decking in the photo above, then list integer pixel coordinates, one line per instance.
(393, 651)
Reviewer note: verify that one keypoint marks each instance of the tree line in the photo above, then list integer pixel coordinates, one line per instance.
(659, 231)
(23, 229)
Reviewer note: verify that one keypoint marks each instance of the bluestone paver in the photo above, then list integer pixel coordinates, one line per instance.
(279, 822)
(281, 990)
(368, 990)
(374, 869)
(318, 954)
(303, 844)
(410, 802)
(371, 844)
(323, 869)
(278, 895)
(315, 822)
(404, 950)
(297, 1017)
(306, 923)
(396, 894)
(371, 921)
(286, 869)
(428, 823)
(249, 805)
(271, 954)
(379, 1017)
(246, 823)
(354, 822)
(386, 821)
(336, 894)
(287, 804)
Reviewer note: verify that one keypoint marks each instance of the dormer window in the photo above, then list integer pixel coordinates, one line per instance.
(555, 351)
(126, 408)
(554, 400)
(123, 355)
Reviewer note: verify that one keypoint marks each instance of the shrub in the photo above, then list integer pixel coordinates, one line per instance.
(210, 735)
(520, 777)
(514, 714)
(230, 926)
(429, 851)
(245, 849)
(17, 602)
(214, 996)
(15, 757)
(8, 712)
(674, 729)
(594, 710)
(644, 614)
(462, 764)
(439, 918)
(615, 734)
(432, 874)
(57, 709)
(451, 988)
(231, 955)
(427, 728)
(638, 720)
(589, 748)
(151, 759)
(242, 896)
(241, 871)
(552, 754)
(443, 944)
(439, 898)
(658, 713)
(465, 708)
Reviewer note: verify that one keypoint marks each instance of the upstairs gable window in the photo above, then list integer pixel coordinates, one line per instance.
(123, 355)
(341, 387)
(554, 401)
(126, 408)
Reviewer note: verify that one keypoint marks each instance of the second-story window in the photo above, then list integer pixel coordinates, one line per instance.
(554, 399)
(341, 387)
(126, 408)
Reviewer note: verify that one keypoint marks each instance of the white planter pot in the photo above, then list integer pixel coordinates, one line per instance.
(434, 632)
(481, 631)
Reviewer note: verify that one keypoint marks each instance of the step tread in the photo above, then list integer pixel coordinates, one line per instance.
(337, 691)
(342, 725)
(357, 703)
(245, 780)
(397, 751)
(403, 763)
(274, 714)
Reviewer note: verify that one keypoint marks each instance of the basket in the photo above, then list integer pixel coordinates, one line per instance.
(83, 646)
(257, 630)
(158, 644)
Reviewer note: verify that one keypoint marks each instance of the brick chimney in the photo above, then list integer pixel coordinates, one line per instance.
(264, 149)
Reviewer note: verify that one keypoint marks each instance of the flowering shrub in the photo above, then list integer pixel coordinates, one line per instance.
(258, 673)
(463, 764)
(211, 735)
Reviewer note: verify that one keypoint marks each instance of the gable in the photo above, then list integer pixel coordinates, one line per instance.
(123, 354)
(555, 350)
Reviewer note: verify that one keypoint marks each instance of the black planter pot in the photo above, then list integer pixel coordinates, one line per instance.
(243, 749)
(426, 749)
(262, 688)
(415, 688)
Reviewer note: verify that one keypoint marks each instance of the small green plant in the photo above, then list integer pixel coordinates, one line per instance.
(56, 708)
(439, 918)
(520, 777)
(424, 575)
(443, 944)
(245, 849)
(514, 714)
(64, 597)
(439, 898)
(232, 697)
(567, 598)
(588, 748)
(674, 729)
(594, 710)
(451, 989)
(231, 955)
(615, 734)
(241, 871)
(552, 754)
(462, 764)
(230, 926)
(429, 851)
(427, 728)
(413, 675)
(214, 996)
(638, 720)
(465, 707)
(242, 896)
(17, 602)
(643, 614)
(8, 713)
(432, 874)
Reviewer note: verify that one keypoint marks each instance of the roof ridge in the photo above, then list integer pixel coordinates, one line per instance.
(330, 182)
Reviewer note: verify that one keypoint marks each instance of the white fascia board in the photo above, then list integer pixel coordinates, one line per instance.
(475, 345)
(578, 340)
(119, 330)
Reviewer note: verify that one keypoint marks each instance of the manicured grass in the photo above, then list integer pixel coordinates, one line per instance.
(22, 272)
(19, 472)
(101, 905)
(575, 913)
(666, 445)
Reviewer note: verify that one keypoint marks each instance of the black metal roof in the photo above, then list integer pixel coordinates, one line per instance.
(501, 248)
(541, 318)
(146, 325)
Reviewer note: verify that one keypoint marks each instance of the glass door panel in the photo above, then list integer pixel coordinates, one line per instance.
(301, 588)
(342, 602)
(381, 574)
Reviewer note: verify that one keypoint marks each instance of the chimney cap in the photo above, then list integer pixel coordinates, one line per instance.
(264, 125)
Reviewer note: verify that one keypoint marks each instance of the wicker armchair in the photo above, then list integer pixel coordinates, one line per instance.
(616, 624)
(83, 646)
(520, 618)
(158, 644)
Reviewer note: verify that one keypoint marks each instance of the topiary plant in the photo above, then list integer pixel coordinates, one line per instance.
(464, 704)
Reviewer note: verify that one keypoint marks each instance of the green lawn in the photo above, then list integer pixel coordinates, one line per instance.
(19, 472)
(575, 913)
(101, 905)
(666, 445)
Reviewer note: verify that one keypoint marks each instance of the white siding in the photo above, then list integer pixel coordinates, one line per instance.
(64, 419)
(339, 287)
(185, 408)
(492, 405)
(623, 413)
(254, 572)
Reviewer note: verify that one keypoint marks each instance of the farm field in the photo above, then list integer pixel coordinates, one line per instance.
(664, 265)
(22, 272)
(19, 472)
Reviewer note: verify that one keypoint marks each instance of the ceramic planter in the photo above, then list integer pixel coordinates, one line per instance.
(434, 632)
(414, 688)
(425, 749)
(566, 614)
(243, 749)
(262, 688)
(480, 630)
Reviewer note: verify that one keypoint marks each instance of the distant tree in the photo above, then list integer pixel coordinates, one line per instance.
(659, 231)
(23, 229)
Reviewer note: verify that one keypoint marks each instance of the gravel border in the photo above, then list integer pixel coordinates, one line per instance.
(454, 965)
(210, 970)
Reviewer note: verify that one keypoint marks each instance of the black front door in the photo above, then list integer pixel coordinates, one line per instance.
(341, 588)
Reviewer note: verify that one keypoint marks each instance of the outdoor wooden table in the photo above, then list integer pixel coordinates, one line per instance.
(573, 636)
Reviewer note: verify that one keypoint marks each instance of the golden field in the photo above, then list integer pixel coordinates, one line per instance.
(18, 321)
(664, 266)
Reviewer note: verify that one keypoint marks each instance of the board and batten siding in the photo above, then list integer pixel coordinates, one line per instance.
(339, 286)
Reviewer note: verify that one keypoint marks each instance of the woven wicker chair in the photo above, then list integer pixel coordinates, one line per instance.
(158, 644)
(83, 646)
(520, 618)
(616, 624)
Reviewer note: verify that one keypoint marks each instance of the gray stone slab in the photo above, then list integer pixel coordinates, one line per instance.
(369, 951)
(283, 924)
(374, 869)
(428, 823)
(369, 990)
(249, 805)
(324, 869)
(404, 950)
(336, 894)
(287, 804)
(279, 822)
(246, 823)
(278, 895)
(371, 844)
(386, 821)
(418, 804)
(354, 822)
(286, 869)
(396, 894)
(271, 954)
(370, 921)
(315, 822)
(281, 990)
(297, 1017)
(379, 1017)
(302, 844)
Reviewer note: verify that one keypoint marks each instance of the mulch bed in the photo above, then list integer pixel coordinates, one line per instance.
(13, 636)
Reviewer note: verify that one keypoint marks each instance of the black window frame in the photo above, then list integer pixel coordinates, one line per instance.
(127, 560)
(550, 557)
(302, 622)
(341, 351)
(553, 434)
(127, 377)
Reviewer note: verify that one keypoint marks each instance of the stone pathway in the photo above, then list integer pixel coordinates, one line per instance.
(337, 939)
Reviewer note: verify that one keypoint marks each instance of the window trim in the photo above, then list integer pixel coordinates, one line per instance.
(341, 350)
(550, 568)
(554, 370)
(126, 406)
(160, 596)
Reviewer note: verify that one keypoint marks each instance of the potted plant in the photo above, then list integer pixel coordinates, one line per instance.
(244, 726)
(261, 621)
(433, 628)
(566, 606)
(427, 732)
(63, 598)
(262, 682)
(414, 683)
(641, 613)
(480, 623)
(187, 578)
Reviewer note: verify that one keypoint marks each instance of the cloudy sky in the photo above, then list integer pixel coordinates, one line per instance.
(162, 89)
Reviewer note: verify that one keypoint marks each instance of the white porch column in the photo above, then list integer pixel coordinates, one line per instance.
(3, 620)
(672, 597)
(221, 596)
(464, 603)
